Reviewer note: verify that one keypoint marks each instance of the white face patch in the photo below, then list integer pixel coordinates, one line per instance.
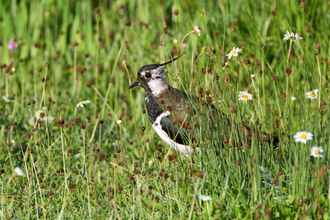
(157, 81)
(157, 86)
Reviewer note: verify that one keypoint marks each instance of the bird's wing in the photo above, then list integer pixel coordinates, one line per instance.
(178, 129)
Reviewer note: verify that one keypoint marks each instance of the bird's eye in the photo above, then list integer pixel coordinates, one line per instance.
(148, 75)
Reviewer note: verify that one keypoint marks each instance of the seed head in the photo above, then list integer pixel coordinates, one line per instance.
(277, 123)
(176, 12)
(278, 173)
(309, 189)
(83, 125)
(72, 186)
(288, 71)
(165, 30)
(128, 23)
(41, 185)
(101, 156)
(200, 174)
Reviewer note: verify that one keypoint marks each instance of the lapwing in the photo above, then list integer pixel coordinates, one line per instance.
(175, 116)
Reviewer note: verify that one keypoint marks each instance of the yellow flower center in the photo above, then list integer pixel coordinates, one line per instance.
(245, 96)
(317, 152)
(313, 94)
(303, 136)
(81, 102)
(233, 52)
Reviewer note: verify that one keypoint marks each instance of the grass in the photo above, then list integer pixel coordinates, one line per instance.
(81, 163)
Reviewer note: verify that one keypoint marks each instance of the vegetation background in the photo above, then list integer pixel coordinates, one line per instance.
(84, 163)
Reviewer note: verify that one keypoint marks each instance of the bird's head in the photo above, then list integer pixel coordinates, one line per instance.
(152, 78)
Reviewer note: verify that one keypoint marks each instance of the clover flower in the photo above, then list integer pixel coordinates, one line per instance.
(19, 171)
(12, 45)
(197, 30)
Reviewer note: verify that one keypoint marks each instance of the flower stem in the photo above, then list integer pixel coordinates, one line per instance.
(320, 85)
(183, 40)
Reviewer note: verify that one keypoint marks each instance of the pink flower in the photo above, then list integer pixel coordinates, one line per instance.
(12, 45)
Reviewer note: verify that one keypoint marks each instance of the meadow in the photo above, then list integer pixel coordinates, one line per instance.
(103, 160)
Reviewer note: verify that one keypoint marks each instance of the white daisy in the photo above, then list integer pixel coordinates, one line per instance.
(292, 36)
(303, 136)
(205, 198)
(252, 76)
(19, 171)
(244, 96)
(219, 101)
(293, 98)
(316, 151)
(297, 37)
(312, 94)
(118, 122)
(80, 104)
(226, 63)
(197, 30)
(234, 52)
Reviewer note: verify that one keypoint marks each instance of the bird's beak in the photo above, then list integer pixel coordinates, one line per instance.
(136, 83)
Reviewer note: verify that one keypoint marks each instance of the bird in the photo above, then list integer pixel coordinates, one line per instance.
(177, 117)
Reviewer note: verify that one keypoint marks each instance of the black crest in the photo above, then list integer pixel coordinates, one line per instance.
(154, 66)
